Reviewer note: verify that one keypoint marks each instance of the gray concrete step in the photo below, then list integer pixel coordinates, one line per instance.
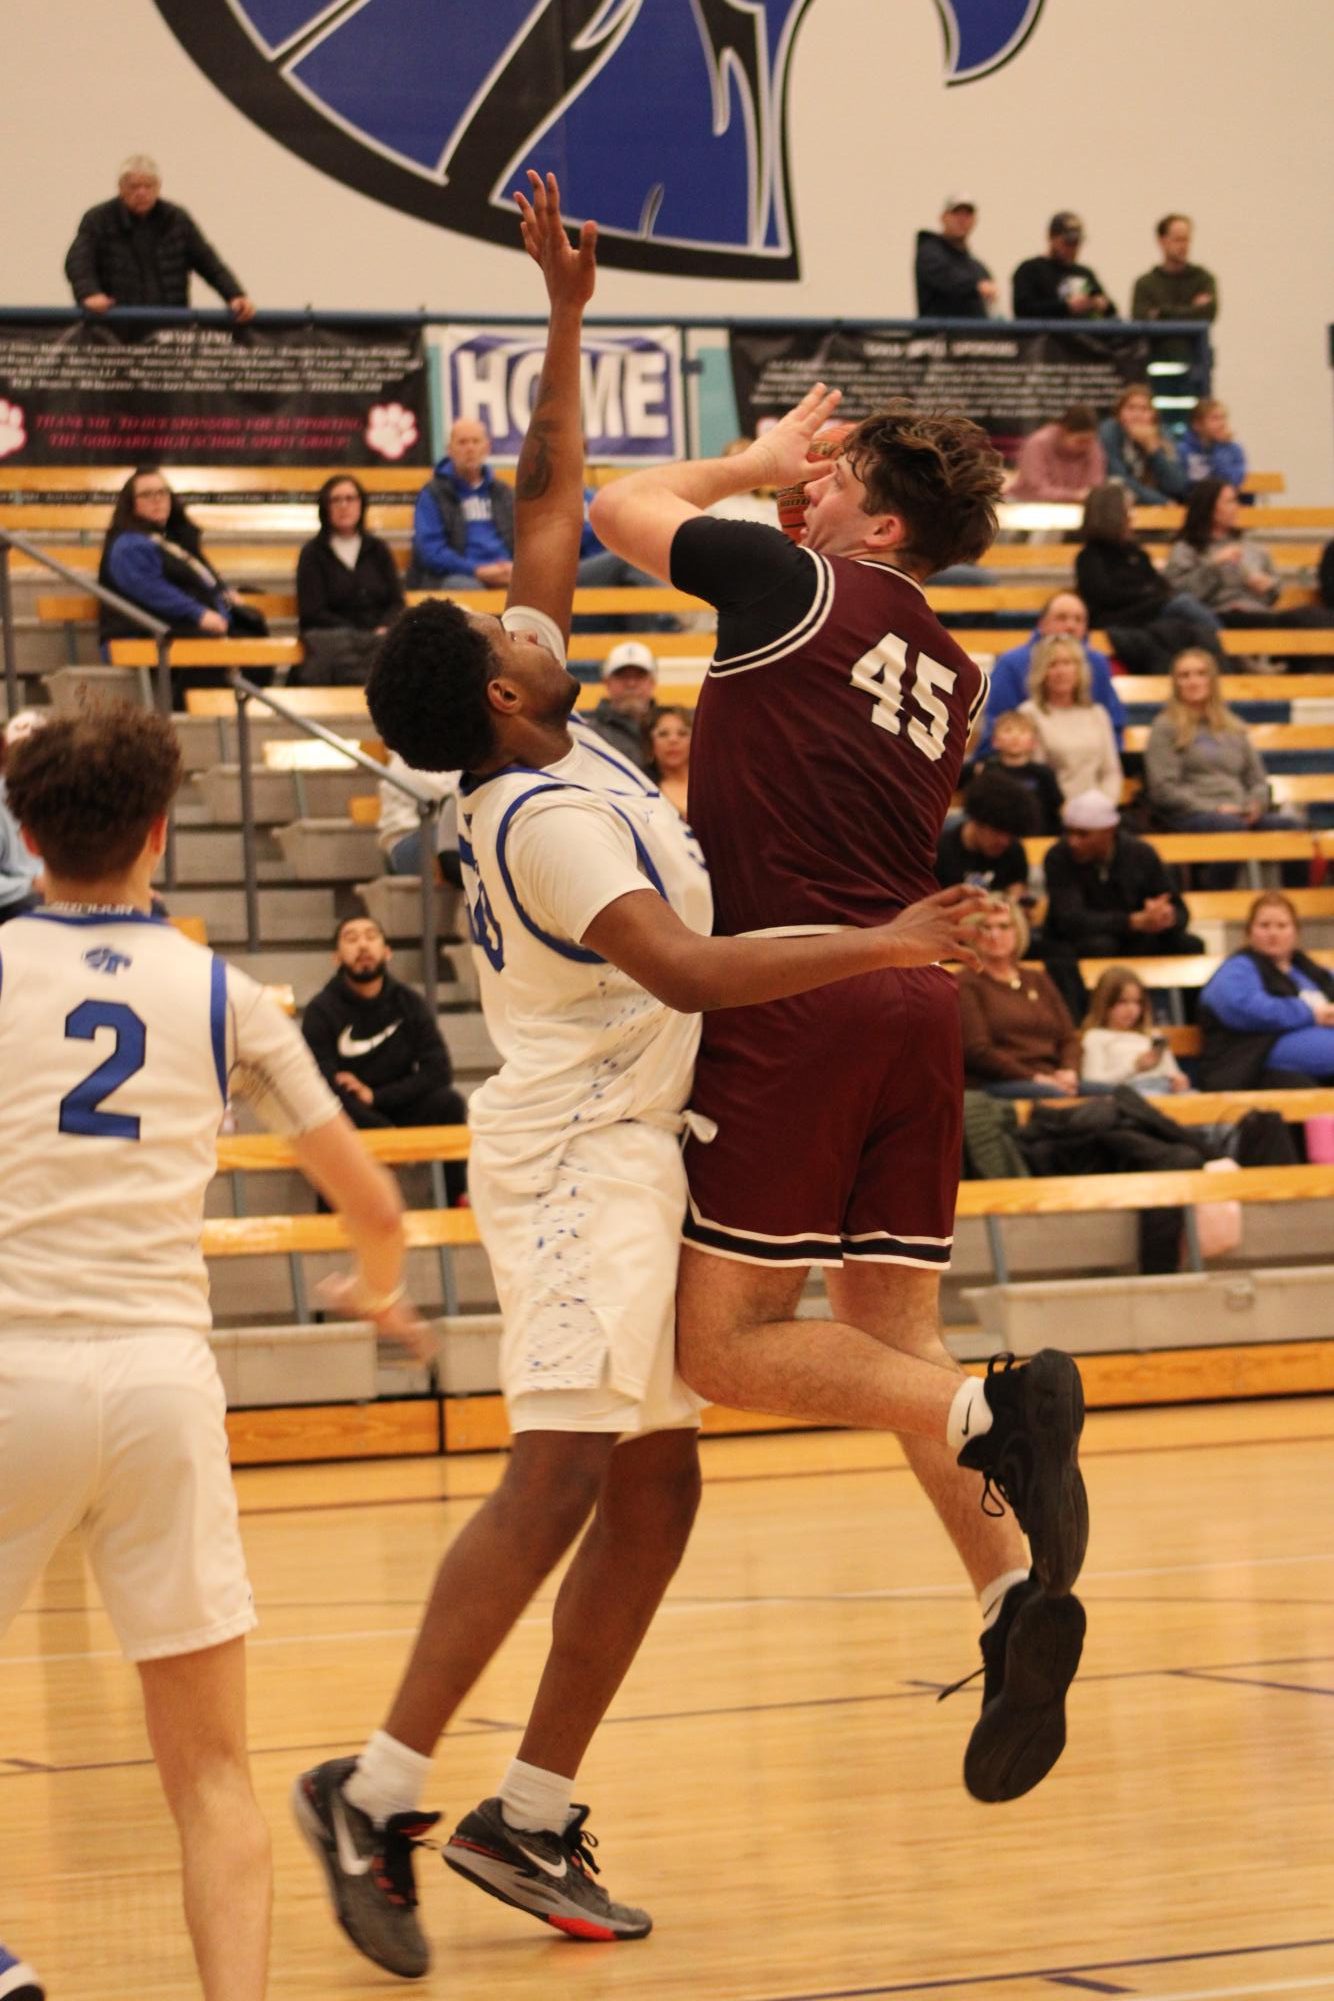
(329, 850)
(280, 796)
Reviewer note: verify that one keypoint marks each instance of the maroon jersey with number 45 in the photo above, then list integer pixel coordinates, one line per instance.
(829, 734)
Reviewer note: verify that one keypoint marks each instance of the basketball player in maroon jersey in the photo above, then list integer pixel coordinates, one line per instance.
(828, 741)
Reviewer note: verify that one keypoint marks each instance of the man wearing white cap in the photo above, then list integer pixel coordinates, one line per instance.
(1109, 895)
(952, 284)
(629, 681)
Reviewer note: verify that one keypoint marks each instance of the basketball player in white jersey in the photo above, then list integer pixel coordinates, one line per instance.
(590, 911)
(120, 1042)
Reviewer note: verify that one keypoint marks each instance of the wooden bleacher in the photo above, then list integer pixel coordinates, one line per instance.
(1168, 973)
(1303, 845)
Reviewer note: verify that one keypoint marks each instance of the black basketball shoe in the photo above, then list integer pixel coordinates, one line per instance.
(1030, 1458)
(18, 1982)
(1029, 1658)
(368, 1867)
(549, 1875)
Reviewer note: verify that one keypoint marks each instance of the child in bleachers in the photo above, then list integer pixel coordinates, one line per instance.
(1013, 742)
(1121, 1044)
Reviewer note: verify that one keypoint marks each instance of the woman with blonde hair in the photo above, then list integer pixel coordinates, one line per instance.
(1018, 1038)
(1121, 1044)
(1202, 773)
(1074, 733)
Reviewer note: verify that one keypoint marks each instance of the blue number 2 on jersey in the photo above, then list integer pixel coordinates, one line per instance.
(80, 1109)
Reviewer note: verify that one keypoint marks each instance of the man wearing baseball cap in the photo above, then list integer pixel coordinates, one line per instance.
(1109, 897)
(629, 680)
(952, 284)
(1057, 286)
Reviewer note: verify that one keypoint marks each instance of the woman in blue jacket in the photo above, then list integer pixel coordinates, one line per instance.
(1268, 1009)
(1137, 453)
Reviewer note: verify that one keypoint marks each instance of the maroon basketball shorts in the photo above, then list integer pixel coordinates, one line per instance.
(839, 1117)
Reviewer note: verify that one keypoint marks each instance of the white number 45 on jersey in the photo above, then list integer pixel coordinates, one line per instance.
(880, 673)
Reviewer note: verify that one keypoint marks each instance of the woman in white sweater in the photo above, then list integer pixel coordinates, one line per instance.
(1120, 1043)
(1075, 734)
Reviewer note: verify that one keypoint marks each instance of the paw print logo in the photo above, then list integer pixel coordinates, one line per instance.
(13, 430)
(391, 430)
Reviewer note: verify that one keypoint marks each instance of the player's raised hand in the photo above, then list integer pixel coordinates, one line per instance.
(570, 269)
(939, 927)
(786, 452)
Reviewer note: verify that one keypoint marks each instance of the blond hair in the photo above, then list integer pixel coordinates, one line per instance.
(1022, 933)
(1054, 648)
(1217, 718)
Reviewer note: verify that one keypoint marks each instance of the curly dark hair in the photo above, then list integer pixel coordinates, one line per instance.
(993, 800)
(427, 689)
(939, 471)
(90, 785)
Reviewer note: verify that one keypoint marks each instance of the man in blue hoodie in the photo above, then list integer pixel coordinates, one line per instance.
(1066, 614)
(463, 524)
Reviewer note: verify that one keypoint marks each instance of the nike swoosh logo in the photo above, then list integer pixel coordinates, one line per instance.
(349, 1861)
(968, 1421)
(348, 1044)
(547, 1868)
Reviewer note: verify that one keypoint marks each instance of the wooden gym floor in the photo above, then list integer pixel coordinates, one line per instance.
(776, 1781)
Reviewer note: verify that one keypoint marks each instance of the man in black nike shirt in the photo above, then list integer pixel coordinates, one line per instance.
(378, 1045)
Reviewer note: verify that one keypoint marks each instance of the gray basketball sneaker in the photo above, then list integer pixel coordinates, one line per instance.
(368, 1868)
(546, 1874)
(1029, 1659)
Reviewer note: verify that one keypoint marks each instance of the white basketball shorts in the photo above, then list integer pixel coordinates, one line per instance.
(122, 1437)
(584, 1251)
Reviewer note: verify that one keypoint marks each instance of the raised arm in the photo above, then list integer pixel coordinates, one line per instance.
(549, 482)
(638, 516)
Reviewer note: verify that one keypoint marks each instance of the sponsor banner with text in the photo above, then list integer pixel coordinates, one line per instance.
(631, 388)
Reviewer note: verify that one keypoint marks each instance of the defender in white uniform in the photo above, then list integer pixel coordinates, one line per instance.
(119, 1044)
(590, 912)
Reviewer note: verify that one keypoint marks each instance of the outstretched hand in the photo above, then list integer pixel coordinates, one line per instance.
(398, 1320)
(570, 269)
(789, 453)
(939, 927)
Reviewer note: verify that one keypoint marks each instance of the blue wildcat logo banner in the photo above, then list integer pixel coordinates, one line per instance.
(665, 119)
(632, 404)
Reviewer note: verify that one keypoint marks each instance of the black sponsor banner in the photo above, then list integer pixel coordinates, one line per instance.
(94, 393)
(1007, 379)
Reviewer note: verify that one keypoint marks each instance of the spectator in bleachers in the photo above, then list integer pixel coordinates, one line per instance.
(20, 869)
(138, 250)
(629, 678)
(1217, 563)
(1202, 773)
(398, 830)
(1207, 448)
(1057, 286)
(1062, 461)
(463, 522)
(1137, 452)
(1014, 743)
(379, 1047)
(1074, 732)
(1018, 1038)
(1121, 1044)
(1175, 289)
(1147, 622)
(1108, 894)
(347, 589)
(1065, 613)
(952, 284)
(986, 846)
(1268, 1012)
(153, 556)
(669, 731)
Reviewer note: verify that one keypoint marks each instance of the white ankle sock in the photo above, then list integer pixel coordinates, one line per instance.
(970, 1414)
(992, 1596)
(533, 1799)
(389, 1778)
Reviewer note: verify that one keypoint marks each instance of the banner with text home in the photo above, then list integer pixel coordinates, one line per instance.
(1008, 380)
(631, 388)
(97, 393)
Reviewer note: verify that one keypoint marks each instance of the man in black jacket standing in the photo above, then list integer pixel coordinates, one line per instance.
(1058, 286)
(138, 250)
(1108, 897)
(378, 1045)
(952, 284)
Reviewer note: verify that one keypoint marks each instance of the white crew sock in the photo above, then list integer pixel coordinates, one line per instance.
(970, 1414)
(389, 1778)
(535, 1800)
(992, 1596)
